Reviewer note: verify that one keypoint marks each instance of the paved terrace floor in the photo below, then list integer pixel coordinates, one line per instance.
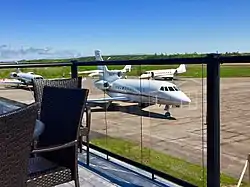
(113, 173)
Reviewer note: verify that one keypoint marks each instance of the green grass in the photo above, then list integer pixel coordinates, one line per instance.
(194, 71)
(176, 167)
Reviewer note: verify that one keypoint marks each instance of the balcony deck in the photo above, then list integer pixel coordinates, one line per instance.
(109, 173)
(88, 178)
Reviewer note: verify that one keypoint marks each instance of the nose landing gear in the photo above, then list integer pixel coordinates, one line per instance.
(167, 114)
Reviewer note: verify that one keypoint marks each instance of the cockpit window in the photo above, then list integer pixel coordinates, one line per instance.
(176, 88)
(171, 88)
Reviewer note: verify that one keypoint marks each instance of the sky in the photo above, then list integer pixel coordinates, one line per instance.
(61, 28)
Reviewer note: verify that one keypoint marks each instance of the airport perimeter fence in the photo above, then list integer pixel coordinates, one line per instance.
(212, 61)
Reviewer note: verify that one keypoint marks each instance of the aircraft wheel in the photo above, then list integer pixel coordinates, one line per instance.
(167, 114)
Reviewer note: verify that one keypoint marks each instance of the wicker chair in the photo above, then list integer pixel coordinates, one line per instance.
(56, 160)
(66, 83)
(16, 134)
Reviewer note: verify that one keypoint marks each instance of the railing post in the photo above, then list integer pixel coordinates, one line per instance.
(74, 69)
(248, 161)
(213, 121)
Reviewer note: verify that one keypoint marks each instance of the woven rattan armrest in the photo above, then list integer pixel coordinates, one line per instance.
(84, 131)
(54, 148)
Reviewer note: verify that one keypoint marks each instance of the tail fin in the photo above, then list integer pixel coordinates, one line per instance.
(98, 56)
(106, 74)
(127, 68)
(181, 68)
(17, 69)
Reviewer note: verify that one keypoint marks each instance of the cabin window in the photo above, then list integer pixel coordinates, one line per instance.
(166, 88)
(171, 88)
(162, 88)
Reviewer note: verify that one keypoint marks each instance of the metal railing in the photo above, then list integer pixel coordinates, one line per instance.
(213, 62)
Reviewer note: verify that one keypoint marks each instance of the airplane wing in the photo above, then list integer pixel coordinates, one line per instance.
(90, 71)
(107, 99)
(94, 74)
(10, 81)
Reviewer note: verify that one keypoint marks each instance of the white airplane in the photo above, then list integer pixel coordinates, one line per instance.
(143, 92)
(164, 73)
(98, 72)
(20, 78)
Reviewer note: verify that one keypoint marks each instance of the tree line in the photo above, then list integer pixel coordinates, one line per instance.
(138, 57)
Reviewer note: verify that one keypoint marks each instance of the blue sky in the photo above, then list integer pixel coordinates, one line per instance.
(126, 26)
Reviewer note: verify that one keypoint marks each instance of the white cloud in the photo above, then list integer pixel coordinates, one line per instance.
(10, 54)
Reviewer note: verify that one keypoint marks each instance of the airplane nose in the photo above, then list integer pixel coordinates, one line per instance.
(180, 98)
(185, 99)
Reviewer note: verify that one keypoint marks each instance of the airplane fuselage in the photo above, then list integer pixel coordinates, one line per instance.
(159, 74)
(26, 78)
(147, 91)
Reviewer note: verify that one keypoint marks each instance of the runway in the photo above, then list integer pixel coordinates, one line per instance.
(181, 137)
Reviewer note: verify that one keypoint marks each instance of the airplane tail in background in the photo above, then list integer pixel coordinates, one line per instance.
(127, 68)
(18, 69)
(106, 74)
(181, 68)
(98, 56)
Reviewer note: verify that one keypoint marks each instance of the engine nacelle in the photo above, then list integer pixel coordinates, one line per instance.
(152, 75)
(103, 85)
(13, 74)
(119, 74)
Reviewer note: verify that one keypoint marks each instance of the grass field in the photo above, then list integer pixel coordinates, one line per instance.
(194, 71)
(176, 167)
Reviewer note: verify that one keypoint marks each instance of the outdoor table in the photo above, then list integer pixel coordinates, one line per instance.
(7, 105)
